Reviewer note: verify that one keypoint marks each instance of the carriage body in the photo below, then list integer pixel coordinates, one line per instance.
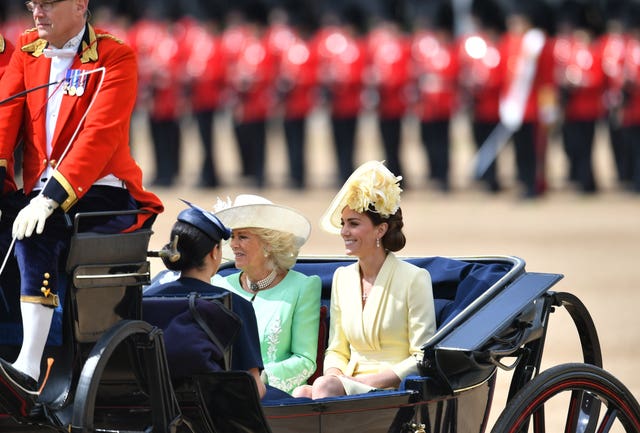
(111, 373)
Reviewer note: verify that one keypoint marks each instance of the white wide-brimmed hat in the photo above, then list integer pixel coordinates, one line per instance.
(370, 184)
(254, 211)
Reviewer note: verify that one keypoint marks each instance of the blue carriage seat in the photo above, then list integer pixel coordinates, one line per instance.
(456, 283)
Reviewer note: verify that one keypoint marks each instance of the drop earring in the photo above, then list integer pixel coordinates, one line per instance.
(378, 242)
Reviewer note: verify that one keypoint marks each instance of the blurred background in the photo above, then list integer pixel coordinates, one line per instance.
(259, 89)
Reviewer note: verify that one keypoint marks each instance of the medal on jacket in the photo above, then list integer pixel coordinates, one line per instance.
(75, 82)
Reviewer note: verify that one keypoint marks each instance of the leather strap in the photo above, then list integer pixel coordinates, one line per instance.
(205, 327)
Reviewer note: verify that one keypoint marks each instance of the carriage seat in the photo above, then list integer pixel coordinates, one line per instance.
(456, 283)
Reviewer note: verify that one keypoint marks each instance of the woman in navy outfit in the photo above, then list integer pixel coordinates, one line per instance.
(195, 252)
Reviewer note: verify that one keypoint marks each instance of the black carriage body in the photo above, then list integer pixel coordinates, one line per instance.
(111, 374)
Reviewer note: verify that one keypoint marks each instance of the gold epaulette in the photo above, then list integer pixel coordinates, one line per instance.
(110, 36)
(2, 44)
(36, 47)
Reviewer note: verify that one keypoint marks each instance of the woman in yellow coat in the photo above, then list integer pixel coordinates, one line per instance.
(381, 307)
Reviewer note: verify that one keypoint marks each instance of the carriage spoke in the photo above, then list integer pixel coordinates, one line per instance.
(608, 420)
(539, 424)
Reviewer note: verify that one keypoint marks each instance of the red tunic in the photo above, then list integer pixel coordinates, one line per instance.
(251, 75)
(578, 69)
(205, 70)
(389, 55)
(298, 79)
(481, 74)
(435, 72)
(631, 105)
(6, 49)
(343, 61)
(102, 145)
(512, 49)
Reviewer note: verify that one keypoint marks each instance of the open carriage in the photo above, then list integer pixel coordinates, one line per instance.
(110, 372)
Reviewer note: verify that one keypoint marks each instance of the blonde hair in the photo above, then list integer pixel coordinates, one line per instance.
(280, 247)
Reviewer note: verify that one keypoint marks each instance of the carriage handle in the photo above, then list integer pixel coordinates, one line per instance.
(105, 276)
(514, 343)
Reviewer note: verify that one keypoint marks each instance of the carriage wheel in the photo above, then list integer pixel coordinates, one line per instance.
(569, 398)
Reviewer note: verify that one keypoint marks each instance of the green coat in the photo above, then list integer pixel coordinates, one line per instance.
(288, 316)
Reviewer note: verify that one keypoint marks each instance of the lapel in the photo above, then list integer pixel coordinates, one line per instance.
(88, 53)
(39, 74)
(375, 308)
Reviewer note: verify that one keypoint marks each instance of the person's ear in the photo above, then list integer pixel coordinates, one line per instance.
(382, 229)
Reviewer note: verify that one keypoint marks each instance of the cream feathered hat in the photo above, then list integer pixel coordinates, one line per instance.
(254, 211)
(370, 184)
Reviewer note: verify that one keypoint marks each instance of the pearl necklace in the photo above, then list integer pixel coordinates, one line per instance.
(261, 284)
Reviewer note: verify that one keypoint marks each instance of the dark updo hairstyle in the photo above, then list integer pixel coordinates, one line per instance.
(190, 249)
(393, 240)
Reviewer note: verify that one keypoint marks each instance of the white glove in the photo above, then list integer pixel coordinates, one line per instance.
(33, 216)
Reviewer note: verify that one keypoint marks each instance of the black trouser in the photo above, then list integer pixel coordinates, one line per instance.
(252, 139)
(391, 132)
(294, 132)
(482, 131)
(578, 139)
(166, 143)
(622, 149)
(344, 135)
(208, 173)
(46, 252)
(631, 136)
(524, 140)
(435, 138)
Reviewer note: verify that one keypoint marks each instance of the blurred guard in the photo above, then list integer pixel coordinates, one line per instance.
(389, 73)
(481, 75)
(343, 63)
(64, 172)
(614, 43)
(527, 103)
(631, 101)
(6, 49)
(205, 77)
(251, 78)
(581, 83)
(297, 86)
(436, 68)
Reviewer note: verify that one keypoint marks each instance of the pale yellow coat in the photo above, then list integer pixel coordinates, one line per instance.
(396, 320)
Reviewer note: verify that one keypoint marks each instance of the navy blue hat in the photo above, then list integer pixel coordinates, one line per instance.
(205, 221)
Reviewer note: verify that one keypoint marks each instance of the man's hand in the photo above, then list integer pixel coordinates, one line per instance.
(33, 217)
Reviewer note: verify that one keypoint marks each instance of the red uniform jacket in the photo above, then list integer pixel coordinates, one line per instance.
(435, 70)
(512, 51)
(389, 69)
(252, 77)
(6, 49)
(481, 74)
(298, 79)
(167, 84)
(102, 145)
(613, 59)
(578, 71)
(343, 61)
(631, 85)
(205, 68)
